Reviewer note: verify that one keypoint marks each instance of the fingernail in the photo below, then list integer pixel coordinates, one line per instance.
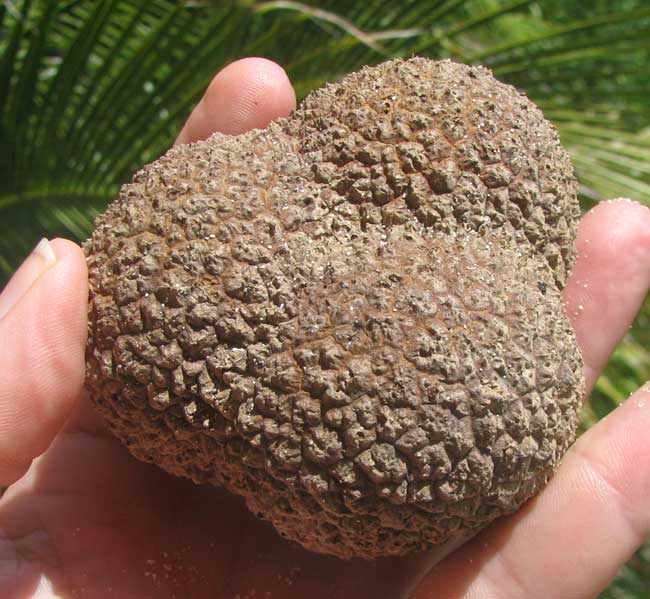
(41, 258)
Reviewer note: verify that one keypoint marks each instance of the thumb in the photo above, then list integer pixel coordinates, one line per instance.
(42, 337)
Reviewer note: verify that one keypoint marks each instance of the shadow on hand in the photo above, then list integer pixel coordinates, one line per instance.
(97, 523)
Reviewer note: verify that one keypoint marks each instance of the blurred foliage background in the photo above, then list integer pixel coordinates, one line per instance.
(92, 90)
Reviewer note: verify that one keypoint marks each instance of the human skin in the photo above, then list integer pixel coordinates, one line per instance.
(82, 518)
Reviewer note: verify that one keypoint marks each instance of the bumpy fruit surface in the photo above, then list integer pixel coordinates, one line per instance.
(353, 318)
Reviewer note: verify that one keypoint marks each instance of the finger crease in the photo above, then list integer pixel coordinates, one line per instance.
(496, 583)
(631, 515)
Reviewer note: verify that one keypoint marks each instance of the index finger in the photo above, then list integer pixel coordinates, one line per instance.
(247, 94)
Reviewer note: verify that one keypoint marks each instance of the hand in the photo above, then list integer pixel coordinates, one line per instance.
(82, 518)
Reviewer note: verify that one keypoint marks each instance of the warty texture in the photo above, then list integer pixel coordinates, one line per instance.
(353, 319)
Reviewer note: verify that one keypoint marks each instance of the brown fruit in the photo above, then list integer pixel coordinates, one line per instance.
(353, 318)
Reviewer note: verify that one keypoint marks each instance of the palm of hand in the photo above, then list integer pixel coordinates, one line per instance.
(87, 520)
(100, 524)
